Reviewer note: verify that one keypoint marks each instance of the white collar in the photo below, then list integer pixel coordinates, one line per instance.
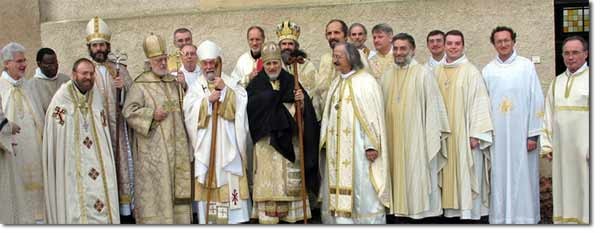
(10, 79)
(434, 62)
(39, 74)
(345, 76)
(459, 61)
(510, 60)
(196, 70)
(579, 71)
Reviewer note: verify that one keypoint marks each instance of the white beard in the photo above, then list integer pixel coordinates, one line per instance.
(274, 77)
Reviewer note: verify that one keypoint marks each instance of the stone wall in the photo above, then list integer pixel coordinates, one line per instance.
(20, 22)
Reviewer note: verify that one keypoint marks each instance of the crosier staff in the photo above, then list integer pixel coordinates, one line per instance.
(213, 144)
(299, 122)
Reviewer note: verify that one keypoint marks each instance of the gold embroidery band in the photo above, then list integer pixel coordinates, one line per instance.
(342, 191)
(567, 220)
(573, 108)
(340, 213)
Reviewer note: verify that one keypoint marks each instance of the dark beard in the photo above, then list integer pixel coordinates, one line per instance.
(286, 54)
(97, 56)
(255, 56)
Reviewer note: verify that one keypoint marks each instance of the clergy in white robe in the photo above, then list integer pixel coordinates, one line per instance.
(20, 108)
(465, 178)
(110, 77)
(382, 58)
(190, 69)
(435, 45)
(417, 127)
(46, 80)
(249, 64)
(517, 111)
(356, 185)
(80, 180)
(8, 215)
(566, 135)
(229, 187)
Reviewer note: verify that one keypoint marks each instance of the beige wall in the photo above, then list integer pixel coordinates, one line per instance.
(20, 22)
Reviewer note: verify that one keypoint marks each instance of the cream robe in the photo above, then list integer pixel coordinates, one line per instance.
(466, 182)
(308, 79)
(566, 135)
(379, 63)
(7, 181)
(244, 66)
(354, 190)
(431, 63)
(517, 111)
(231, 185)
(326, 74)
(79, 171)
(417, 128)
(44, 87)
(161, 153)
(105, 73)
(26, 156)
(191, 77)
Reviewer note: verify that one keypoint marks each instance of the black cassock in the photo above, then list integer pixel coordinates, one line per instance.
(267, 116)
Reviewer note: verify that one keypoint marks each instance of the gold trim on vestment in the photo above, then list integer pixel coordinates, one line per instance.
(572, 108)
(568, 220)
(77, 149)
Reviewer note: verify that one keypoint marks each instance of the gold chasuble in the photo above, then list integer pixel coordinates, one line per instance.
(417, 128)
(161, 152)
(354, 190)
(465, 183)
(24, 157)
(79, 170)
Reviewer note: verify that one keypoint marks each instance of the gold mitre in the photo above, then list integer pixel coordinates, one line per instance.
(288, 30)
(270, 51)
(154, 46)
(97, 31)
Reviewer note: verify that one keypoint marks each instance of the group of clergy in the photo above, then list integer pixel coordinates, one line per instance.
(367, 137)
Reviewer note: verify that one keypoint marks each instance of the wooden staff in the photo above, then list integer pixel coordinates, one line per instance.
(300, 124)
(213, 145)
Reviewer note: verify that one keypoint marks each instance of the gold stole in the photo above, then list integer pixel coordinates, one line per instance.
(448, 83)
(22, 105)
(396, 108)
(340, 166)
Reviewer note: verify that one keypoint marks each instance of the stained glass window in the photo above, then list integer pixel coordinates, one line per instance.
(576, 19)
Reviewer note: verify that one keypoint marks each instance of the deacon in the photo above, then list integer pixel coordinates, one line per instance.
(161, 152)
(435, 45)
(181, 37)
(277, 192)
(190, 70)
(111, 76)
(417, 126)
(336, 32)
(26, 158)
(288, 33)
(80, 180)
(382, 58)
(517, 113)
(465, 183)
(249, 64)
(46, 80)
(229, 191)
(358, 37)
(565, 140)
(356, 184)
(9, 212)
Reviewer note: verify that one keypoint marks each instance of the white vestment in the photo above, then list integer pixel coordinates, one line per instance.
(230, 154)
(44, 87)
(26, 158)
(244, 66)
(353, 189)
(80, 180)
(191, 76)
(517, 111)
(566, 135)
(431, 63)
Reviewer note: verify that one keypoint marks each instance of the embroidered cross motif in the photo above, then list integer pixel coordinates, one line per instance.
(540, 114)
(347, 131)
(506, 105)
(204, 88)
(98, 205)
(87, 142)
(59, 114)
(93, 173)
(346, 163)
(103, 115)
(234, 197)
(331, 131)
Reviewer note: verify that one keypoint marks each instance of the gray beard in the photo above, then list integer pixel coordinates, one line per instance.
(274, 77)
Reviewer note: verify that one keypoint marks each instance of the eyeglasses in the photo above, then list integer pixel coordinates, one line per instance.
(572, 53)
